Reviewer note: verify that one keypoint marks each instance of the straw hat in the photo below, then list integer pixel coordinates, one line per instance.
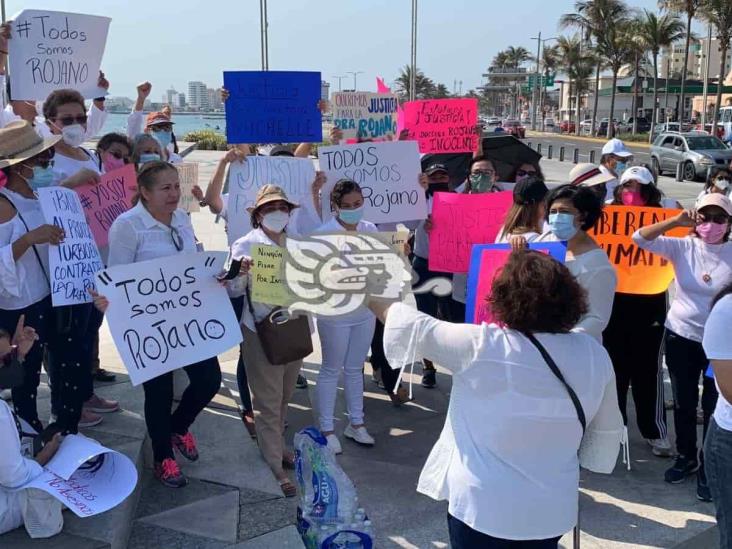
(270, 193)
(19, 142)
(588, 175)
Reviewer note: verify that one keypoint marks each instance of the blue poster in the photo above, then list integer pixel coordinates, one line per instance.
(273, 107)
(479, 290)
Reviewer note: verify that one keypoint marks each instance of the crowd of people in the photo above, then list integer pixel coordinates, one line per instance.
(553, 372)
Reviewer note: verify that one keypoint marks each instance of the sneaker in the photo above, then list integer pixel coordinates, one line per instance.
(301, 383)
(100, 405)
(682, 468)
(103, 375)
(334, 445)
(89, 418)
(6, 394)
(169, 474)
(359, 434)
(428, 378)
(703, 493)
(186, 445)
(661, 447)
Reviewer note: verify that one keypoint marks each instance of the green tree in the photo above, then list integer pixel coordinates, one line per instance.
(425, 87)
(441, 92)
(577, 64)
(719, 14)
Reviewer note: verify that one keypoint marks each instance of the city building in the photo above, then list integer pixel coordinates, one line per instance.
(170, 96)
(198, 98)
(671, 62)
(214, 99)
(180, 101)
(324, 90)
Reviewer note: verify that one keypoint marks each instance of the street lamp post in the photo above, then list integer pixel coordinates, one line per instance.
(539, 82)
(706, 78)
(340, 78)
(263, 24)
(355, 74)
(413, 71)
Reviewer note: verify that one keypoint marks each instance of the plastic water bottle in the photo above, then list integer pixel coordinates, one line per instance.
(368, 529)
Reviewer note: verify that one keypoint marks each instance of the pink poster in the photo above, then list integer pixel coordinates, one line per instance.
(102, 203)
(460, 221)
(442, 125)
(491, 262)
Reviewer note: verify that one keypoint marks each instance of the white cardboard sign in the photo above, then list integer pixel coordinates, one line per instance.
(52, 50)
(365, 114)
(388, 174)
(188, 175)
(168, 313)
(75, 261)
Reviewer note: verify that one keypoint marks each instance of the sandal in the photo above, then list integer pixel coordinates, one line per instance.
(401, 396)
(288, 461)
(288, 489)
(247, 419)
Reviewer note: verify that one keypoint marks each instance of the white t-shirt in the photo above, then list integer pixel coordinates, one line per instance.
(506, 459)
(64, 166)
(610, 185)
(718, 346)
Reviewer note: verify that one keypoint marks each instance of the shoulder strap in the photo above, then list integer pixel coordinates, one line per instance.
(27, 230)
(558, 373)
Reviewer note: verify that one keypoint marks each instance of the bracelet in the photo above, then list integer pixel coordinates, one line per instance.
(203, 203)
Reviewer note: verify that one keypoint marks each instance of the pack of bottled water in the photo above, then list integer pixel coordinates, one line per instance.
(328, 515)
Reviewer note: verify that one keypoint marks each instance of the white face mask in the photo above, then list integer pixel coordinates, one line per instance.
(722, 184)
(276, 221)
(73, 135)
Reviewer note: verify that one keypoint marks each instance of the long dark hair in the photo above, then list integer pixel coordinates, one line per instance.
(722, 293)
(650, 194)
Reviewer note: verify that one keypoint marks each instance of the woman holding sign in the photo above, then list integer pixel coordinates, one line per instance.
(702, 265)
(155, 229)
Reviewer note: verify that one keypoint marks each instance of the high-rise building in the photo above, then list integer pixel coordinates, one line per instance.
(324, 90)
(695, 62)
(198, 96)
(170, 96)
(180, 101)
(214, 99)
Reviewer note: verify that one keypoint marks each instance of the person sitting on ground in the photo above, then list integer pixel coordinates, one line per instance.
(38, 511)
(506, 490)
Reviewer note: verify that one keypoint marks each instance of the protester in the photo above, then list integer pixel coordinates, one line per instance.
(272, 385)
(571, 212)
(718, 182)
(589, 175)
(527, 213)
(345, 339)
(526, 170)
(502, 492)
(157, 124)
(718, 445)
(613, 161)
(145, 148)
(702, 264)
(38, 511)
(114, 151)
(155, 228)
(634, 335)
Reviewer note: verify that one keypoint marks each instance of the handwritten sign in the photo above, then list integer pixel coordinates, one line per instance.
(188, 176)
(388, 174)
(75, 261)
(461, 221)
(639, 271)
(267, 276)
(294, 175)
(53, 50)
(168, 313)
(104, 202)
(485, 263)
(273, 107)
(443, 125)
(87, 477)
(365, 115)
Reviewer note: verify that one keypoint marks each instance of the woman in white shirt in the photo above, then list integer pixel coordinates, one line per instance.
(718, 445)
(514, 478)
(571, 212)
(345, 339)
(702, 265)
(272, 385)
(720, 181)
(152, 230)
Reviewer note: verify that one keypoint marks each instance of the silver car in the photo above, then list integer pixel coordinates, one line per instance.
(695, 151)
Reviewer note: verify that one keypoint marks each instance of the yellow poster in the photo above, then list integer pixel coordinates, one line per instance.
(267, 271)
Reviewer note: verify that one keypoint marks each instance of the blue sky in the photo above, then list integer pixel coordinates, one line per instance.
(174, 41)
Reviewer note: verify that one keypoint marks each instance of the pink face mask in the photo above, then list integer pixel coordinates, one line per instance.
(111, 162)
(711, 233)
(631, 198)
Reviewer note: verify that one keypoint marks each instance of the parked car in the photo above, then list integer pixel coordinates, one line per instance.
(567, 126)
(602, 128)
(549, 123)
(514, 127)
(708, 129)
(586, 127)
(643, 125)
(696, 151)
(493, 121)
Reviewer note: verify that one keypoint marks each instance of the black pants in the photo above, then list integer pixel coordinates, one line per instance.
(686, 361)
(241, 373)
(429, 303)
(378, 360)
(205, 380)
(38, 317)
(463, 536)
(633, 339)
(95, 323)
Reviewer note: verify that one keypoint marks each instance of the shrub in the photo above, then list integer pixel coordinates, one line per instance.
(637, 138)
(208, 140)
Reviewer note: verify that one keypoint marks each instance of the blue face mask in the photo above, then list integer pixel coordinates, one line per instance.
(163, 138)
(351, 217)
(562, 225)
(620, 167)
(149, 157)
(42, 177)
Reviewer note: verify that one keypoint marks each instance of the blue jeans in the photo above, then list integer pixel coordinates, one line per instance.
(463, 536)
(718, 467)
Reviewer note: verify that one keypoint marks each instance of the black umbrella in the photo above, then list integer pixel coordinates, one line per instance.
(457, 164)
(507, 153)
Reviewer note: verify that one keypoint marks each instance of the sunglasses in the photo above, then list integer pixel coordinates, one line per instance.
(489, 173)
(524, 173)
(70, 120)
(176, 238)
(120, 156)
(720, 219)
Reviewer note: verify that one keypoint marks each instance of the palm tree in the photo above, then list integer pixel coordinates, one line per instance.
(425, 87)
(659, 32)
(637, 44)
(592, 17)
(719, 14)
(689, 8)
(578, 65)
(441, 92)
(549, 63)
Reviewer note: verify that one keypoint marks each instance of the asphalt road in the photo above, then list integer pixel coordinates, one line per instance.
(641, 154)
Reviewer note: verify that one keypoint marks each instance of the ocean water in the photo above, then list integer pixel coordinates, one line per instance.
(183, 124)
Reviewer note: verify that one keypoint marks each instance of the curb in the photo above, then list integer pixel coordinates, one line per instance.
(530, 133)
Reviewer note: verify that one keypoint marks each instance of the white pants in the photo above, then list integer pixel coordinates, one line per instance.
(344, 348)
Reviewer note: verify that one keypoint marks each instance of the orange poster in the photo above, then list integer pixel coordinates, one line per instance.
(639, 271)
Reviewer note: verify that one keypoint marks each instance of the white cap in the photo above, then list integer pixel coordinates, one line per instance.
(641, 174)
(616, 148)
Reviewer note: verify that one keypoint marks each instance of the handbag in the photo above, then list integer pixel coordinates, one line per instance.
(284, 337)
(577, 406)
(63, 316)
